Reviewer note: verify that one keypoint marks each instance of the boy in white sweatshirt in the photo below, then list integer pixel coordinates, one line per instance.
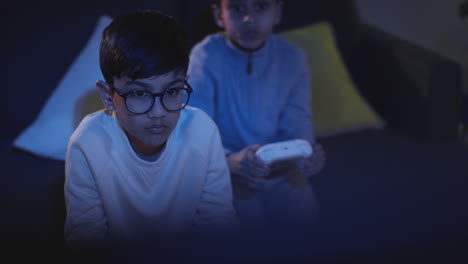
(147, 167)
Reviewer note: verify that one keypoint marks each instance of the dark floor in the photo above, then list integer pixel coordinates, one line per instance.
(384, 198)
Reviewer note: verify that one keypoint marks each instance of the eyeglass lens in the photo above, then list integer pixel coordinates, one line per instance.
(172, 100)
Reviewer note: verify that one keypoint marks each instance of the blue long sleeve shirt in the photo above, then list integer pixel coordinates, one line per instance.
(270, 102)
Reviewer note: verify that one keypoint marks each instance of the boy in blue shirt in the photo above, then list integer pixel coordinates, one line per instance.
(256, 86)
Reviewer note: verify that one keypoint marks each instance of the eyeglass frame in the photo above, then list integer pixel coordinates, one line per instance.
(188, 88)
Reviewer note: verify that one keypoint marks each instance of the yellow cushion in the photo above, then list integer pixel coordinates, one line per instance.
(337, 105)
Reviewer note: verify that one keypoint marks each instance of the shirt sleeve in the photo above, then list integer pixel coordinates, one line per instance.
(202, 82)
(296, 118)
(86, 223)
(216, 211)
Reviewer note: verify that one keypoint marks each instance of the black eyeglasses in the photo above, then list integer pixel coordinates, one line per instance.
(172, 99)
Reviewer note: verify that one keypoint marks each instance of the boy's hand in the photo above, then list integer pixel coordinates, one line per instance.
(247, 168)
(314, 163)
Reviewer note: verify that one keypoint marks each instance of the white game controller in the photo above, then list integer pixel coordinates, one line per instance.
(284, 150)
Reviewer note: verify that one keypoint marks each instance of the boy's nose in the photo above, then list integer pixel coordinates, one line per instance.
(248, 18)
(157, 111)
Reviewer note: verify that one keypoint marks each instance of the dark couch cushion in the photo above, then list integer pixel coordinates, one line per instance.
(382, 190)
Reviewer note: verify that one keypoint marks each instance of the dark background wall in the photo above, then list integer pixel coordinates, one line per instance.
(434, 24)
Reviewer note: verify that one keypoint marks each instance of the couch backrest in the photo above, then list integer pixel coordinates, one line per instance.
(44, 38)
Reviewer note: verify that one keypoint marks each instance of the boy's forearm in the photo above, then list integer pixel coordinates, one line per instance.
(85, 219)
(216, 205)
(297, 118)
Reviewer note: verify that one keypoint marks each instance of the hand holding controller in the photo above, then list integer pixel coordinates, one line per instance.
(285, 150)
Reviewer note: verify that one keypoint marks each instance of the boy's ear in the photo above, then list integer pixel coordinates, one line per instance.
(218, 16)
(106, 95)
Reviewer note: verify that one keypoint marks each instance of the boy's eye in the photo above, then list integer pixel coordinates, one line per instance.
(139, 93)
(172, 91)
(237, 8)
(262, 6)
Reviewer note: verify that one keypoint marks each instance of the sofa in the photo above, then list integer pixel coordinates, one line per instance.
(392, 194)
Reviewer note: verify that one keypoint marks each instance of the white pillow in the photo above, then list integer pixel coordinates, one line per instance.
(74, 97)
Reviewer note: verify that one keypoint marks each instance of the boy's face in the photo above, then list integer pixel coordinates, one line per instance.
(248, 22)
(147, 132)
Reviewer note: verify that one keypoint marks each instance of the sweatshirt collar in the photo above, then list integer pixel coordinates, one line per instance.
(236, 50)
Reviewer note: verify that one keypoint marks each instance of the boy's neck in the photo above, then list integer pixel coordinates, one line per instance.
(145, 152)
(149, 154)
(245, 49)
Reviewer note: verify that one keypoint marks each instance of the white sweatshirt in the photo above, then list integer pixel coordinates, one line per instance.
(112, 194)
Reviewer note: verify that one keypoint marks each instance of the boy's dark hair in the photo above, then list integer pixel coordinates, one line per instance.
(142, 44)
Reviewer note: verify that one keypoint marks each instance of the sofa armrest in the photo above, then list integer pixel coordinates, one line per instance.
(414, 89)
